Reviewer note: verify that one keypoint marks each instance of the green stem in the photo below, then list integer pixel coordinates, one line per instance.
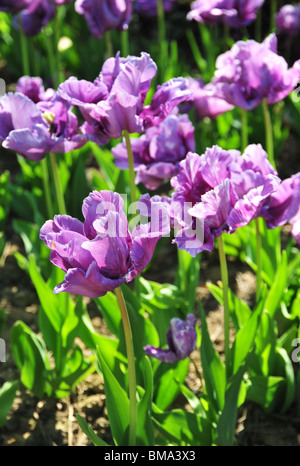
(257, 26)
(131, 167)
(206, 39)
(273, 15)
(45, 174)
(131, 366)
(224, 278)
(163, 45)
(109, 45)
(51, 56)
(244, 129)
(59, 74)
(24, 50)
(269, 132)
(58, 187)
(258, 260)
(125, 43)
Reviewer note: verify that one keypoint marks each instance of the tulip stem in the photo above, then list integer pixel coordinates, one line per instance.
(273, 16)
(45, 175)
(108, 45)
(163, 44)
(258, 259)
(224, 278)
(58, 187)
(131, 366)
(24, 49)
(131, 167)
(244, 129)
(269, 132)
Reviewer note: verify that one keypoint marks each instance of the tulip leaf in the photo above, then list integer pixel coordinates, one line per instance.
(145, 431)
(275, 293)
(167, 380)
(244, 340)
(226, 424)
(30, 356)
(93, 437)
(213, 368)
(7, 395)
(183, 428)
(117, 403)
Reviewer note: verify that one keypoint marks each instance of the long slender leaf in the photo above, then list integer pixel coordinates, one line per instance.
(117, 404)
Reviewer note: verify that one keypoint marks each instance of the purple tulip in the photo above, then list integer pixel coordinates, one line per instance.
(33, 88)
(32, 130)
(148, 8)
(234, 13)
(284, 206)
(37, 15)
(206, 101)
(100, 253)
(288, 20)
(13, 6)
(114, 101)
(104, 15)
(218, 192)
(157, 153)
(251, 72)
(181, 340)
(165, 100)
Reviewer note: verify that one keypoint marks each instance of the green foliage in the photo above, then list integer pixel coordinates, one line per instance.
(7, 395)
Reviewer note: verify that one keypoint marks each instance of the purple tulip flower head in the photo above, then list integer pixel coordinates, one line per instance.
(33, 88)
(37, 15)
(234, 13)
(148, 8)
(114, 101)
(251, 72)
(158, 151)
(165, 101)
(33, 130)
(100, 253)
(206, 101)
(104, 15)
(288, 20)
(218, 192)
(181, 340)
(284, 206)
(13, 6)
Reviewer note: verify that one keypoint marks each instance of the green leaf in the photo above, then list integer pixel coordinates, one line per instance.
(265, 391)
(244, 340)
(227, 422)
(108, 306)
(48, 300)
(7, 395)
(117, 404)
(183, 428)
(213, 368)
(30, 355)
(275, 293)
(144, 430)
(97, 441)
(167, 380)
(239, 310)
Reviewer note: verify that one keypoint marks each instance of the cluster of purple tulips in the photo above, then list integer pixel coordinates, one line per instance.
(220, 190)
